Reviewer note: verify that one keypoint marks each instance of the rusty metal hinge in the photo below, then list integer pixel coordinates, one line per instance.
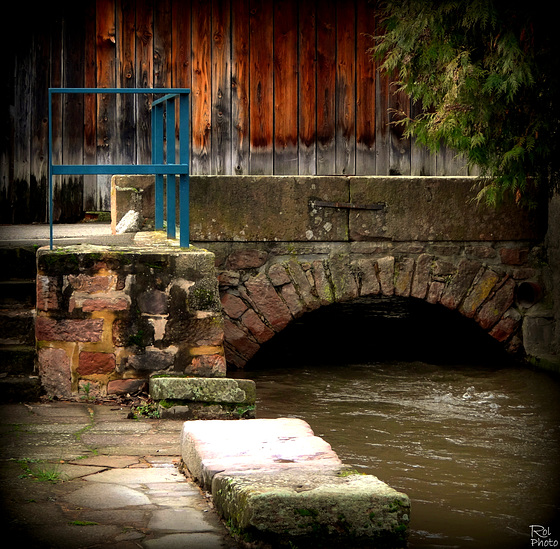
(346, 205)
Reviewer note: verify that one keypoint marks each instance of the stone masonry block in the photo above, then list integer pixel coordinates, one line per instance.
(457, 288)
(292, 300)
(403, 280)
(268, 302)
(479, 292)
(211, 448)
(213, 365)
(50, 329)
(92, 284)
(421, 278)
(47, 293)
(154, 359)
(344, 282)
(256, 326)
(386, 266)
(233, 391)
(239, 340)
(369, 284)
(55, 372)
(95, 363)
(323, 287)
(491, 312)
(232, 305)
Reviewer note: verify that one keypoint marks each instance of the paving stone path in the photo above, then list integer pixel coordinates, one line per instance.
(116, 481)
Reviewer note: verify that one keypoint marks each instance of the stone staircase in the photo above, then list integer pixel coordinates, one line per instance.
(18, 379)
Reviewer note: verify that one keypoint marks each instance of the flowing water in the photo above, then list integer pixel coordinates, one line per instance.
(476, 448)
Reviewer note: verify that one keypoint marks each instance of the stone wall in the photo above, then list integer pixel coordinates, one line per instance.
(287, 245)
(108, 318)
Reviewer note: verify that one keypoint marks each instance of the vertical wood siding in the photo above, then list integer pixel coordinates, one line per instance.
(282, 87)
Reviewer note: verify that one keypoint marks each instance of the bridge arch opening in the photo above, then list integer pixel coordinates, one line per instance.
(380, 329)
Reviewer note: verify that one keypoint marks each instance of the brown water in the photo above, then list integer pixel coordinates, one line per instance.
(477, 449)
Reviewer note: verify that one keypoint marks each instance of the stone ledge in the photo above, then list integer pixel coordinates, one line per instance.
(275, 481)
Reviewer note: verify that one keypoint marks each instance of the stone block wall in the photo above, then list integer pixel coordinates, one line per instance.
(108, 318)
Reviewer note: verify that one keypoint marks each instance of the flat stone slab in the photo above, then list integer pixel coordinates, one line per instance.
(306, 505)
(211, 447)
(274, 480)
(203, 389)
(204, 398)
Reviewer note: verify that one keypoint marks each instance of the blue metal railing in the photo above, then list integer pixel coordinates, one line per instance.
(162, 164)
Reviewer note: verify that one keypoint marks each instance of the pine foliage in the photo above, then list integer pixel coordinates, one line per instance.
(486, 75)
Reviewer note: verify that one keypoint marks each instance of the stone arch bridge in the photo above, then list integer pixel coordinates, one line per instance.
(285, 246)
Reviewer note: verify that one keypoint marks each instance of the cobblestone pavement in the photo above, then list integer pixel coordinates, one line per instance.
(78, 475)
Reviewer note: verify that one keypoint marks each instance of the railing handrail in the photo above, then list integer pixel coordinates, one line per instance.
(159, 166)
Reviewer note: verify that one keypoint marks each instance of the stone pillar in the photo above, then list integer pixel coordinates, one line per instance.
(108, 318)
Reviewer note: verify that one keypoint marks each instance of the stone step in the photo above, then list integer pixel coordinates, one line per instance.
(182, 397)
(19, 389)
(18, 262)
(17, 360)
(273, 480)
(18, 293)
(17, 326)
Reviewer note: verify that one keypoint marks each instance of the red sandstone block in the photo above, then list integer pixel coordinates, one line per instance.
(47, 298)
(246, 259)
(504, 329)
(292, 300)
(278, 274)
(207, 366)
(233, 306)
(514, 256)
(50, 329)
(55, 372)
(256, 326)
(92, 284)
(95, 363)
(494, 308)
(126, 386)
(240, 340)
(268, 302)
(105, 304)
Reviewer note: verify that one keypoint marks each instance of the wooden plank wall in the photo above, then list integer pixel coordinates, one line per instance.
(282, 87)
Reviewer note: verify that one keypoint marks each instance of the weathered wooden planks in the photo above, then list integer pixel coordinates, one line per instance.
(285, 87)
(261, 117)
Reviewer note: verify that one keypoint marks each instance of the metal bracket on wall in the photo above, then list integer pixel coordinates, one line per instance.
(346, 205)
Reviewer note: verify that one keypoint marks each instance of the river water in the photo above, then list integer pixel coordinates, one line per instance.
(475, 447)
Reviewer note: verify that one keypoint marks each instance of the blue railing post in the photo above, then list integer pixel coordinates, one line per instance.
(157, 158)
(170, 159)
(184, 204)
(159, 167)
(50, 174)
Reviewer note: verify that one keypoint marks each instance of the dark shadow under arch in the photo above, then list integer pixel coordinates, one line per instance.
(380, 329)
